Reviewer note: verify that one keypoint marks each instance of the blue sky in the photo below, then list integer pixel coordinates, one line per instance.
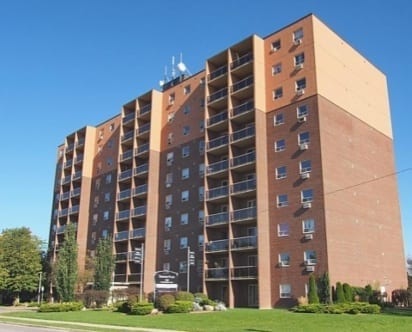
(67, 64)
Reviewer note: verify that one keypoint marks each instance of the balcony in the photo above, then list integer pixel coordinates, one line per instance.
(127, 174)
(141, 149)
(244, 243)
(74, 209)
(219, 245)
(245, 214)
(221, 218)
(217, 273)
(68, 163)
(121, 257)
(139, 211)
(217, 193)
(77, 175)
(69, 147)
(127, 155)
(217, 96)
(64, 196)
(137, 233)
(75, 192)
(122, 215)
(243, 187)
(123, 195)
(243, 137)
(63, 212)
(79, 143)
(140, 190)
(243, 162)
(121, 236)
(243, 112)
(144, 112)
(217, 121)
(240, 88)
(241, 61)
(217, 168)
(128, 118)
(127, 136)
(66, 179)
(61, 229)
(217, 73)
(78, 159)
(244, 272)
(143, 130)
(217, 144)
(141, 170)
(119, 278)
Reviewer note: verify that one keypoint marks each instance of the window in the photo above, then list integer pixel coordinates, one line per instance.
(168, 223)
(201, 216)
(298, 35)
(166, 266)
(185, 151)
(183, 242)
(280, 145)
(186, 109)
(281, 172)
(276, 45)
(185, 173)
(202, 102)
(278, 119)
(201, 147)
(95, 219)
(282, 200)
(169, 180)
(170, 117)
(308, 225)
(170, 138)
(104, 233)
(200, 241)
(106, 215)
(111, 127)
(283, 229)
(109, 161)
(305, 166)
(110, 144)
(98, 182)
(186, 130)
(167, 245)
(304, 138)
(306, 195)
(278, 93)
(171, 98)
(202, 125)
(169, 201)
(285, 291)
(107, 197)
(186, 89)
(170, 157)
(108, 178)
(276, 69)
(202, 81)
(184, 219)
(302, 110)
(299, 59)
(310, 257)
(301, 84)
(284, 259)
(183, 267)
(201, 170)
(201, 193)
(185, 195)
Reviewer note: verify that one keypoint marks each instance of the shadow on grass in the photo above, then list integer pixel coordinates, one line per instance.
(398, 311)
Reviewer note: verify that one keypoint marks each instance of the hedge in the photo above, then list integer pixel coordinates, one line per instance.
(348, 308)
(61, 307)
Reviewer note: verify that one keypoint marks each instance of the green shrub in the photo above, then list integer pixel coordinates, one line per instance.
(208, 302)
(347, 291)
(141, 308)
(61, 307)
(165, 301)
(200, 297)
(348, 308)
(340, 295)
(122, 306)
(180, 307)
(313, 290)
(184, 296)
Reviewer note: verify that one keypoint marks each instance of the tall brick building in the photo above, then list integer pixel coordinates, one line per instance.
(271, 164)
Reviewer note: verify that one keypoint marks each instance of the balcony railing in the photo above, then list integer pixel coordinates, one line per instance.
(244, 59)
(128, 117)
(127, 135)
(217, 72)
(139, 211)
(242, 134)
(125, 174)
(80, 142)
(140, 190)
(121, 257)
(219, 245)
(217, 192)
(65, 196)
(121, 236)
(217, 273)
(244, 214)
(220, 117)
(137, 233)
(145, 109)
(217, 219)
(124, 194)
(125, 214)
(143, 129)
(69, 147)
(220, 94)
(242, 84)
(243, 186)
(242, 108)
(75, 192)
(243, 159)
(77, 175)
(244, 242)
(68, 163)
(63, 212)
(74, 209)
(244, 272)
(141, 149)
(141, 169)
(217, 167)
(119, 277)
(127, 155)
(217, 142)
(78, 159)
(61, 229)
(66, 179)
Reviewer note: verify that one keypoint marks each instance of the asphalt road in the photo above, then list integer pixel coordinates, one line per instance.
(21, 328)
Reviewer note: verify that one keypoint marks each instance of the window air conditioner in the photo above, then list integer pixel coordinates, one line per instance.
(300, 92)
(304, 175)
(299, 66)
(307, 205)
(309, 236)
(310, 268)
(297, 41)
(302, 118)
(304, 146)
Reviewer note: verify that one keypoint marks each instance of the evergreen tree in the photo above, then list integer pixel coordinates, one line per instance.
(20, 261)
(104, 264)
(347, 291)
(66, 265)
(313, 290)
(324, 288)
(340, 296)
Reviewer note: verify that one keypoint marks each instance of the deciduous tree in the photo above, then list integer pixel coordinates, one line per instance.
(103, 265)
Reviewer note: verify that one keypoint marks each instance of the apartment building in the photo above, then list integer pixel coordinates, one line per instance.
(269, 165)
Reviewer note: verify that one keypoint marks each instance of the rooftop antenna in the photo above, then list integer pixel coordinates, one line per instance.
(182, 67)
(165, 78)
(173, 67)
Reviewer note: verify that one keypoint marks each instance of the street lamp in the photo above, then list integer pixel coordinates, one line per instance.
(40, 288)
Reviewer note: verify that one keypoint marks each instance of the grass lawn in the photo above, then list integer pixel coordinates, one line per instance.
(237, 320)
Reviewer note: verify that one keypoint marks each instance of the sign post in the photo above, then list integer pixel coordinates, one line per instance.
(190, 262)
(138, 257)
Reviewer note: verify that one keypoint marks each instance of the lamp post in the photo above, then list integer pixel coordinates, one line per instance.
(40, 288)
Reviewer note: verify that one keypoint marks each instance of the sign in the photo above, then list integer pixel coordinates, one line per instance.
(166, 280)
